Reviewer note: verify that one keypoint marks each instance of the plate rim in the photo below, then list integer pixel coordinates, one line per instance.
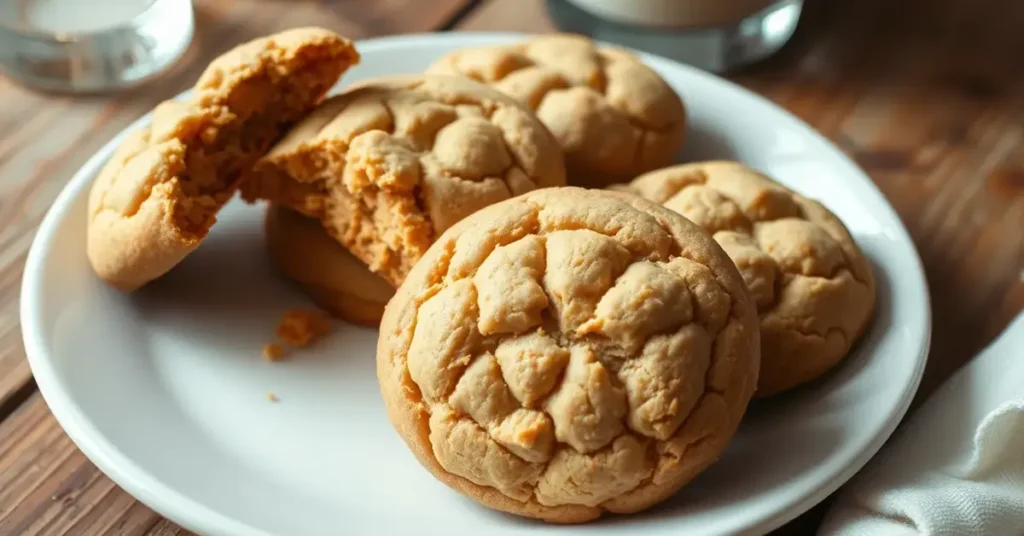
(197, 517)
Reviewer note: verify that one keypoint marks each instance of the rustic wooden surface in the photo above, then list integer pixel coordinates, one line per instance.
(926, 95)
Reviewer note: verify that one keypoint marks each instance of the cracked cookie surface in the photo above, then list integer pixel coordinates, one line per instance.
(813, 286)
(329, 274)
(614, 116)
(157, 197)
(391, 163)
(569, 352)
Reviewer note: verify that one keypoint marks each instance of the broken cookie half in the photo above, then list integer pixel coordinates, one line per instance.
(156, 199)
(391, 163)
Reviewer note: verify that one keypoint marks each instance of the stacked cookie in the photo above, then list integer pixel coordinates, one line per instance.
(569, 324)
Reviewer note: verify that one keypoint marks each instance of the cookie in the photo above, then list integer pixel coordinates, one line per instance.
(390, 164)
(569, 352)
(812, 285)
(614, 116)
(157, 197)
(333, 278)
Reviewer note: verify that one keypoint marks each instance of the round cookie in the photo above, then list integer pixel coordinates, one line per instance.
(569, 352)
(158, 196)
(614, 116)
(332, 277)
(813, 286)
(391, 163)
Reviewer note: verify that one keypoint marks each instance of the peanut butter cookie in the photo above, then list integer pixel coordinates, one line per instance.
(569, 352)
(614, 116)
(332, 277)
(390, 164)
(812, 285)
(158, 196)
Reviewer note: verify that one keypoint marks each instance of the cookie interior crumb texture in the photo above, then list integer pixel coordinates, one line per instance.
(569, 352)
(391, 163)
(614, 116)
(302, 251)
(158, 196)
(812, 285)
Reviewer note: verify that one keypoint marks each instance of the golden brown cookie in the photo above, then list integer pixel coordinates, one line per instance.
(158, 196)
(812, 285)
(614, 116)
(332, 277)
(391, 163)
(569, 352)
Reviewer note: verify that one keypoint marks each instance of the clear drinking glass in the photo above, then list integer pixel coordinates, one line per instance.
(715, 35)
(91, 45)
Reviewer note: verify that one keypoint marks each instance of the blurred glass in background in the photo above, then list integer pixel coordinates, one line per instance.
(714, 35)
(91, 45)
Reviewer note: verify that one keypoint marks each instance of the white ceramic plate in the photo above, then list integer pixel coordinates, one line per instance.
(164, 389)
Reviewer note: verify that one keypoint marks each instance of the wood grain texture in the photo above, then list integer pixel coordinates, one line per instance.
(528, 16)
(47, 486)
(926, 95)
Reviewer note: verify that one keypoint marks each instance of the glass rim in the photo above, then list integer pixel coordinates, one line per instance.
(73, 37)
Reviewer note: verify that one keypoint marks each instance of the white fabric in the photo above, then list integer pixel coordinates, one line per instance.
(957, 467)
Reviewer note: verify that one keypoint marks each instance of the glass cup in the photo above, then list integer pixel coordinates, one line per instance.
(715, 35)
(85, 46)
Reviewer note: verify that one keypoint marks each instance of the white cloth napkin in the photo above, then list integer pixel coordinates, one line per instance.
(957, 467)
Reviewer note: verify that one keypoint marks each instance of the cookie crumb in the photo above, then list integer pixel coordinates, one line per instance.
(272, 397)
(300, 327)
(273, 351)
(297, 328)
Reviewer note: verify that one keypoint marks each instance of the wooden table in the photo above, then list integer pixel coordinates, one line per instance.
(926, 95)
